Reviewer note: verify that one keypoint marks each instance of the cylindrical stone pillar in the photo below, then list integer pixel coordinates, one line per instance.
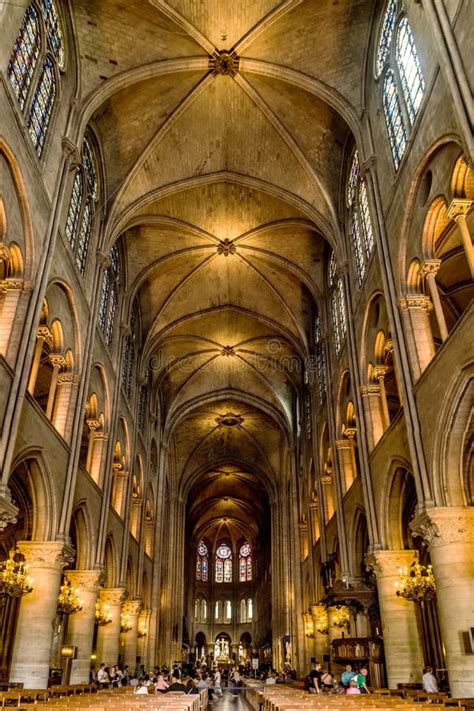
(108, 635)
(80, 628)
(403, 652)
(131, 608)
(34, 633)
(449, 532)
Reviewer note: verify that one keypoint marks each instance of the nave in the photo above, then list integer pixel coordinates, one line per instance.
(236, 359)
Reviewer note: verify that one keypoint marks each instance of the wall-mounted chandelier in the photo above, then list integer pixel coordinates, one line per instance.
(308, 625)
(320, 617)
(69, 601)
(125, 624)
(103, 615)
(14, 578)
(416, 583)
(142, 629)
(341, 617)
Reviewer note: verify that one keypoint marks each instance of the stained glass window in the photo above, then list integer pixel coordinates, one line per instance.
(83, 197)
(386, 35)
(360, 223)
(129, 353)
(249, 610)
(403, 84)
(320, 355)
(228, 610)
(337, 304)
(53, 30)
(243, 611)
(42, 105)
(411, 77)
(142, 408)
(109, 296)
(202, 563)
(203, 610)
(394, 117)
(25, 55)
(245, 563)
(223, 564)
(75, 205)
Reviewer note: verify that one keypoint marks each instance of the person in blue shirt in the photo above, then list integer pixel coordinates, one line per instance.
(347, 675)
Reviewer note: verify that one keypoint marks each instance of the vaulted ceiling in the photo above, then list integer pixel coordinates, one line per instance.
(223, 127)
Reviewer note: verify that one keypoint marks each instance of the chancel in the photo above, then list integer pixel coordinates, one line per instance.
(236, 340)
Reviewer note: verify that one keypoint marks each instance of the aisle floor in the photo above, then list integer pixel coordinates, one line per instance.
(228, 702)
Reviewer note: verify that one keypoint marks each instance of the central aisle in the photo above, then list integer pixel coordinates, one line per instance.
(228, 702)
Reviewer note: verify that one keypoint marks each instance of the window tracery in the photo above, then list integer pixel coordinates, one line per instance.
(360, 222)
(37, 54)
(245, 563)
(109, 295)
(320, 356)
(337, 304)
(80, 215)
(403, 85)
(202, 563)
(223, 564)
(129, 353)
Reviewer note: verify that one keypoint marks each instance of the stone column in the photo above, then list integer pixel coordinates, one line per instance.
(345, 452)
(131, 608)
(429, 269)
(34, 633)
(66, 394)
(58, 362)
(403, 652)
(44, 334)
(143, 637)
(321, 639)
(416, 309)
(458, 211)
(80, 628)
(371, 398)
(108, 635)
(449, 532)
(380, 371)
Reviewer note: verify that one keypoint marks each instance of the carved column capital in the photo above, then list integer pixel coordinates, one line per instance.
(102, 259)
(57, 360)
(87, 580)
(71, 378)
(132, 607)
(372, 389)
(415, 302)
(71, 153)
(343, 444)
(442, 526)
(459, 207)
(93, 424)
(112, 596)
(46, 554)
(430, 266)
(388, 563)
(380, 371)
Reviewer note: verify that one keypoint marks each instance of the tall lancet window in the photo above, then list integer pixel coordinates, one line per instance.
(245, 563)
(337, 304)
(223, 564)
(399, 71)
(36, 61)
(82, 206)
(202, 562)
(359, 215)
(109, 296)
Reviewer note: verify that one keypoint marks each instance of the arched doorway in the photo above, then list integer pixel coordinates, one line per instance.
(222, 649)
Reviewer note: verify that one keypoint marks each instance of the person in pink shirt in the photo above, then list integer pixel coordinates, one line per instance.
(352, 688)
(160, 684)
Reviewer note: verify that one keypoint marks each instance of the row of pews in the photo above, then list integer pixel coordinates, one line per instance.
(87, 698)
(278, 698)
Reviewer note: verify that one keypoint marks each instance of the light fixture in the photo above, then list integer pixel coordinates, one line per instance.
(125, 625)
(308, 625)
(416, 583)
(320, 617)
(142, 629)
(341, 617)
(103, 615)
(69, 601)
(14, 578)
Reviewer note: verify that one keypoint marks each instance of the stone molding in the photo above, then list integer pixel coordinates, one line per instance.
(445, 525)
(15, 284)
(344, 444)
(459, 207)
(87, 580)
(388, 563)
(112, 596)
(132, 607)
(68, 378)
(430, 266)
(366, 390)
(46, 554)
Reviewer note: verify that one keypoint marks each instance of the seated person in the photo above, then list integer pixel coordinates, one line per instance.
(175, 684)
(353, 688)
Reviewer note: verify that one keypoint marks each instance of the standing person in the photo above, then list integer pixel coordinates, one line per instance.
(102, 676)
(430, 683)
(361, 679)
(347, 675)
(218, 682)
(314, 686)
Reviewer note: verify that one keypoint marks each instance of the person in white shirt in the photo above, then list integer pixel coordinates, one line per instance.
(430, 683)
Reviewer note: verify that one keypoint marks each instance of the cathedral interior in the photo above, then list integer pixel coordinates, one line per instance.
(236, 376)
